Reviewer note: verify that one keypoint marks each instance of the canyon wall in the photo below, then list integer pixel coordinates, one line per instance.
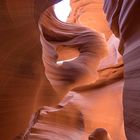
(123, 16)
(90, 14)
(24, 87)
(99, 99)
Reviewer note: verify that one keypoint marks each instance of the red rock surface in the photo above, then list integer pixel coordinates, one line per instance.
(100, 108)
(24, 87)
(97, 101)
(56, 37)
(123, 16)
(90, 14)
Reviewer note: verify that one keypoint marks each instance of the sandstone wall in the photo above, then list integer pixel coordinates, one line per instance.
(90, 13)
(23, 86)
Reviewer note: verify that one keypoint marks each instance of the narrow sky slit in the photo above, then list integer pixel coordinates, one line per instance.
(62, 10)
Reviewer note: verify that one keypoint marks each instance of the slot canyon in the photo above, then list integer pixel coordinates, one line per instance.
(69, 80)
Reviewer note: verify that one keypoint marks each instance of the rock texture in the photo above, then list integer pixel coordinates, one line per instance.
(100, 134)
(90, 14)
(56, 37)
(100, 108)
(122, 16)
(24, 87)
(66, 123)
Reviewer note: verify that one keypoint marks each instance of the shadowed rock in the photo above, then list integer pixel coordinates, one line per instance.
(56, 37)
(99, 134)
(24, 88)
(66, 124)
(123, 16)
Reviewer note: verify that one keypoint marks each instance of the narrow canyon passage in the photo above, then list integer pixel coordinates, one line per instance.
(34, 71)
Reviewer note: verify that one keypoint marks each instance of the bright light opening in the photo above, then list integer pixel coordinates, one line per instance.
(62, 10)
(61, 62)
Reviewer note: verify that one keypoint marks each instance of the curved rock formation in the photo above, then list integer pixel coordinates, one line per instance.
(99, 134)
(123, 16)
(55, 34)
(100, 108)
(56, 37)
(24, 89)
(23, 86)
(90, 14)
(65, 124)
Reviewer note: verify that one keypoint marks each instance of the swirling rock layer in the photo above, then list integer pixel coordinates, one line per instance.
(90, 14)
(23, 86)
(122, 16)
(100, 108)
(56, 37)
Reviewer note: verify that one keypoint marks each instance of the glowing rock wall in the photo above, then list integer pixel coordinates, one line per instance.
(96, 101)
(24, 88)
(123, 16)
(90, 14)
